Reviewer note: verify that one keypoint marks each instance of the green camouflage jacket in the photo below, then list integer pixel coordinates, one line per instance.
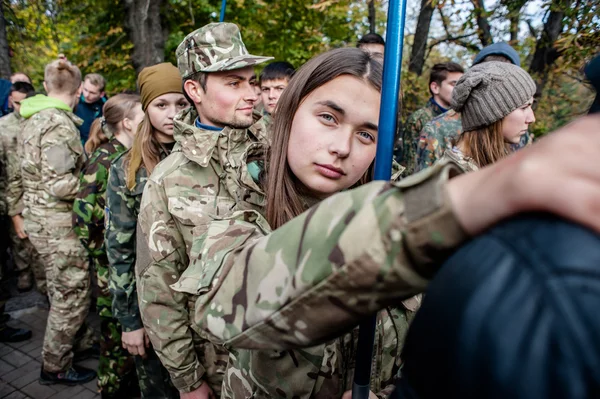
(121, 214)
(244, 275)
(206, 177)
(410, 136)
(88, 208)
(437, 136)
(322, 371)
(317, 276)
(50, 166)
(10, 127)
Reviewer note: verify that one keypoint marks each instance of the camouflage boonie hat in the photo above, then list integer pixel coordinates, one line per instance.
(214, 47)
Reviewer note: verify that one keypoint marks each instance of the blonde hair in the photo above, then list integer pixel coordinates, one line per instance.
(485, 145)
(63, 77)
(96, 79)
(115, 110)
(145, 151)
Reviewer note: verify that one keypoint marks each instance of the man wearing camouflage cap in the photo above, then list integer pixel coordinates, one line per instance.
(212, 172)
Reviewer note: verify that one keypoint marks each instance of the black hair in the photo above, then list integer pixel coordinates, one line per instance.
(371, 38)
(439, 72)
(22, 87)
(277, 70)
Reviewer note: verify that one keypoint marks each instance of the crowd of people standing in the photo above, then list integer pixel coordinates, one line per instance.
(230, 224)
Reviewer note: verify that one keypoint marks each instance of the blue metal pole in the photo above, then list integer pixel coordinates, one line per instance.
(223, 6)
(392, 66)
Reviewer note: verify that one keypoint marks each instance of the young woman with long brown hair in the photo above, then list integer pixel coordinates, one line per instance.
(494, 99)
(324, 141)
(109, 137)
(162, 98)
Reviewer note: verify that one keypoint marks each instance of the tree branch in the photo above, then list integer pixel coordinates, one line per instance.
(456, 40)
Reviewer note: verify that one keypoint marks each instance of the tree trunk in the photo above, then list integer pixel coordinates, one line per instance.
(145, 32)
(417, 55)
(545, 54)
(372, 19)
(5, 71)
(484, 31)
(514, 29)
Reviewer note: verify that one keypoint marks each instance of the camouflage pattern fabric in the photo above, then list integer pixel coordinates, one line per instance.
(116, 366)
(52, 159)
(122, 208)
(205, 177)
(322, 371)
(88, 208)
(410, 136)
(214, 47)
(25, 257)
(154, 379)
(10, 125)
(14, 189)
(437, 137)
(465, 163)
(320, 264)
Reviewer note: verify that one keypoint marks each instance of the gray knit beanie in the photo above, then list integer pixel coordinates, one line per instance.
(490, 91)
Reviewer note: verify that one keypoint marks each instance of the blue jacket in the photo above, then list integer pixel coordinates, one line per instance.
(88, 112)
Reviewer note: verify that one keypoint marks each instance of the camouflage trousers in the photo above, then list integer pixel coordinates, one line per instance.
(116, 368)
(68, 284)
(27, 259)
(153, 377)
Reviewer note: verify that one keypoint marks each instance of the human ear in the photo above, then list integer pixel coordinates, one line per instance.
(193, 90)
(434, 87)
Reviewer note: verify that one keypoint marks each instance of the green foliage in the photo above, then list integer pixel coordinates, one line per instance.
(93, 35)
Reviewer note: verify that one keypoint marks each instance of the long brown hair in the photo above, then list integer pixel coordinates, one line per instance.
(114, 111)
(145, 151)
(284, 190)
(485, 145)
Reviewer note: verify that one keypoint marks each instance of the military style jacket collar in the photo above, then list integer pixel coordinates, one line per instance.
(228, 152)
(436, 108)
(199, 145)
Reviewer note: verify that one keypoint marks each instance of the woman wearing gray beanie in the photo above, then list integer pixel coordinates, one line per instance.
(494, 99)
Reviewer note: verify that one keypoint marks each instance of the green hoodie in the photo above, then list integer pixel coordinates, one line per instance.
(40, 102)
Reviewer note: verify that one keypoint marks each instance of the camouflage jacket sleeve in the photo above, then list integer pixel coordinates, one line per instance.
(271, 291)
(88, 208)
(61, 159)
(14, 189)
(164, 311)
(119, 239)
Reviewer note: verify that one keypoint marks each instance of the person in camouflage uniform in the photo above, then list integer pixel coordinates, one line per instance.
(221, 141)
(442, 79)
(325, 370)
(290, 295)
(25, 257)
(438, 134)
(8, 130)
(109, 137)
(162, 98)
(52, 159)
(494, 99)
